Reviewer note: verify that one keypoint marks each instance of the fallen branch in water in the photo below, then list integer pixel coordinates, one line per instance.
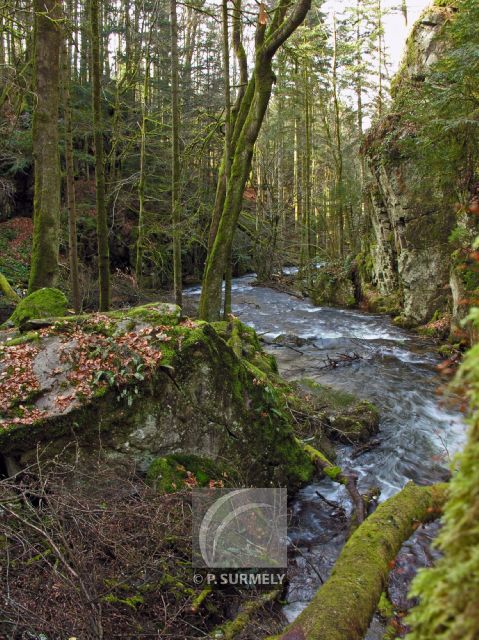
(330, 503)
(343, 607)
(349, 480)
(340, 360)
(364, 448)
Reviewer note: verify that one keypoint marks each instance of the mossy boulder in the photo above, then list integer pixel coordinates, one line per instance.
(356, 424)
(151, 386)
(44, 303)
(346, 417)
(333, 285)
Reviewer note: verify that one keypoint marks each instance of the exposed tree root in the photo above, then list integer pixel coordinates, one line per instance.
(7, 290)
(344, 606)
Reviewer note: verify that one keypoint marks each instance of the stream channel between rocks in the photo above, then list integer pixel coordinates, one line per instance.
(419, 430)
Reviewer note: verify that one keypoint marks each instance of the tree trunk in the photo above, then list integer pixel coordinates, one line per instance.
(227, 149)
(246, 130)
(46, 214)
(70, 182)
(175, 173)
(343, 607)
(142, 180)
(101, 213)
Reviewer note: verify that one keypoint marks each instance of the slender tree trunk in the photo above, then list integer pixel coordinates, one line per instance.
(101, 212)
(246, 130)
(227, 150)
(46, 216)
(142, 181)
(7, 290)
(380, 57)
(339, 150)
(175, 191)
(70, 181)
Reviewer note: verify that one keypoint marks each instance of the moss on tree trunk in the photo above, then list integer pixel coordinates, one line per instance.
(46, 214)
(344, 606)
(101, 212)
(7, 290)
(247, 125)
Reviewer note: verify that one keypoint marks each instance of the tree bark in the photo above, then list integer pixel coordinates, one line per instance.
(70, 181)
(343, 607)
(46, 214)
(7, 290)
(246, 130)
(175, 173)
(227, 149)
(101, 212)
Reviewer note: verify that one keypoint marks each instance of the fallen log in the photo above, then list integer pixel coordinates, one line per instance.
(233, 628)
(343, 607)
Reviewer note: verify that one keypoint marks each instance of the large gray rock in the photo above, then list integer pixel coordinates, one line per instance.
(411, 218)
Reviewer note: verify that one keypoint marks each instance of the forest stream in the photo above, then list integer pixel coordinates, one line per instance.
(419, 432)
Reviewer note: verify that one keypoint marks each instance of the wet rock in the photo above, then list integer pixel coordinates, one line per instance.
(347, 418)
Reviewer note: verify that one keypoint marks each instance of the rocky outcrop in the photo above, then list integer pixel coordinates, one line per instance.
(412, 217)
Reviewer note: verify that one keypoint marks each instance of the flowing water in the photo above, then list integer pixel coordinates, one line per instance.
(419, 431)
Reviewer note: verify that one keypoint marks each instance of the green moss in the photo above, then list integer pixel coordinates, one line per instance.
(449, 592)
(331, 470)
(133, 602)
(169, 474)
(344, 605)
(44, 303)
(31, 336)
(385, 607)
(155, 313)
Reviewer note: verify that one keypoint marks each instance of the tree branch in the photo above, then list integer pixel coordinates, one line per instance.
(288, 26)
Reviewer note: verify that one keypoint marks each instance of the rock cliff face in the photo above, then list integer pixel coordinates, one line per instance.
(412, 217)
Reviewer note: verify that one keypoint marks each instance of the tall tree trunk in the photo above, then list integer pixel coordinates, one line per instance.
(175, 173)
(142, 181)
(70, 180)
(338, 140)
(101, 213)
(46, 216)
(227, 149)
(246, 130)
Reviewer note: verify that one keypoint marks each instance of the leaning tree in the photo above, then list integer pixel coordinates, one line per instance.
(273, 29)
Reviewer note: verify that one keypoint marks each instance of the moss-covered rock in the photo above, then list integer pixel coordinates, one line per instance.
(333, 285)
(44, 303)
(178, 471)
(357, 424)
(345, 417)
(412, 202)
(136, 388)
